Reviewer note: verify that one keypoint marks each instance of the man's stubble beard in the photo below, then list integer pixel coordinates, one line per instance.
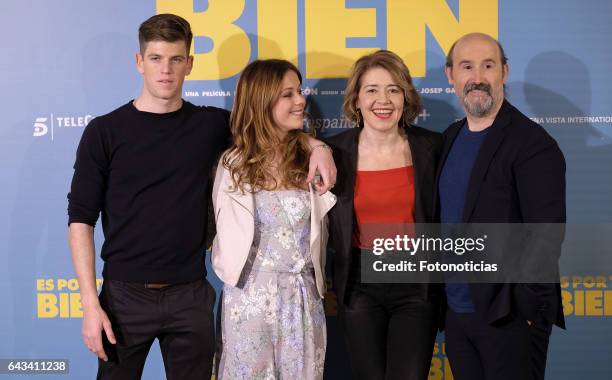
(478, 108)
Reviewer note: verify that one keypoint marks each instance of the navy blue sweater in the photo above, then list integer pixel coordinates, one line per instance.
(148, 176)
(452, 188)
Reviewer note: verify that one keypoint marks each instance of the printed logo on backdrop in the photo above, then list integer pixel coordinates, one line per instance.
(208, 93)
(577, 119)
(40, 127)
(306, 91)
(323, 37)
(333, 33)
(322, 124)
(49, 125)
(423, 116)
(59, 297)
(586, 296)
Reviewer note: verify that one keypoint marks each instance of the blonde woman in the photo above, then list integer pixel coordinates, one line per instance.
(386, 168)
(271, 233)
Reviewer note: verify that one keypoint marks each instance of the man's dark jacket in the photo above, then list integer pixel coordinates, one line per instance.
(518, 177)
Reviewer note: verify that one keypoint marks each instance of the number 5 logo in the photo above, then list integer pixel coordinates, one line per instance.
(40, 128)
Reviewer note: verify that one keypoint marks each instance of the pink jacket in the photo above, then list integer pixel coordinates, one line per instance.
(234, 216)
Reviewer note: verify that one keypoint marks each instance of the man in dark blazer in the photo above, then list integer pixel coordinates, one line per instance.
(498, 166)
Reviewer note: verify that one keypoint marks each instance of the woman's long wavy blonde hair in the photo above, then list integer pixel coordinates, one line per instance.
(256, 144)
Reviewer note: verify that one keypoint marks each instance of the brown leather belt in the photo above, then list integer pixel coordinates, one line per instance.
(155, 286)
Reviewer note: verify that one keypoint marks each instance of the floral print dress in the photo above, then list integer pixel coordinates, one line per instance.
(273, 322)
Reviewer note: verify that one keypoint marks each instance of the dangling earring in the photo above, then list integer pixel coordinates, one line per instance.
(359, 118)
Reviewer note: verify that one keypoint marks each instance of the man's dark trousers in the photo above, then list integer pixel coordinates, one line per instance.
(179, 316)
(512, 350)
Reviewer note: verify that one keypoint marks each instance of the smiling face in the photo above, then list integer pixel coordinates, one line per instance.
(380, 100)
(478, 75)
(164, 66)
(288, 110)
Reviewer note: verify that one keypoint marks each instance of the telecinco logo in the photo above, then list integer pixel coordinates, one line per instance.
(43, 124)
(40, 127)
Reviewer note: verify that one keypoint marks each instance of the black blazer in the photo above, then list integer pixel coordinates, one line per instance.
(425, 148)
(518, 177)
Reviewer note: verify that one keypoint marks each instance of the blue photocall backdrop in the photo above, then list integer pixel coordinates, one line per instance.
(67, 61)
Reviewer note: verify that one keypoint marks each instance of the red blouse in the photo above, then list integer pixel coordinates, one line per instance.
(384, 204)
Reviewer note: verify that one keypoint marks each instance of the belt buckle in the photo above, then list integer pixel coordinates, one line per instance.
(155, 286)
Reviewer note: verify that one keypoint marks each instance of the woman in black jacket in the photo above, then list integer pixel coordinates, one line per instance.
(386, 169)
